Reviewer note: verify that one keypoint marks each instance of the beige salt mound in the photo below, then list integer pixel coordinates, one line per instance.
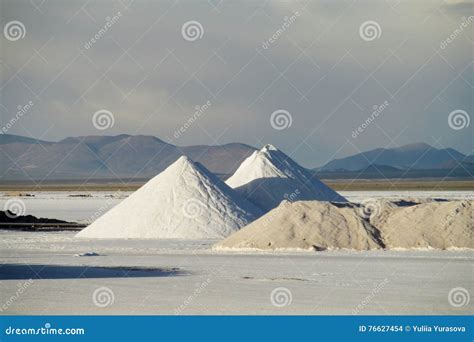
(306, 225)
(322, 225)
(438, 225)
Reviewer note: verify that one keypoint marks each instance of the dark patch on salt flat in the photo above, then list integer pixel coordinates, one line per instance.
(37, 272)
(275, 279)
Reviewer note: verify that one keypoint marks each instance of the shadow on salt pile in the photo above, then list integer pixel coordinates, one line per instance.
(36, 272)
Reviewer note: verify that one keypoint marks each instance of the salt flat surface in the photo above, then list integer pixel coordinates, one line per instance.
(187, 277)
(66, 206)
(359, 196)
(61, 205)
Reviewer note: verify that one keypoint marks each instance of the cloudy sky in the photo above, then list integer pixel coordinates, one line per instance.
(319, 66)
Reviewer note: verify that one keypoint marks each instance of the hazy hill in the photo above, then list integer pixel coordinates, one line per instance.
(140, 157)
(93, 157)
(419, 156)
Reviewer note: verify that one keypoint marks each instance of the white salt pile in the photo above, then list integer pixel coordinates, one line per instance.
(306, 225)
(185, 201)
(439, 225)
(269, 176)
(321, 225)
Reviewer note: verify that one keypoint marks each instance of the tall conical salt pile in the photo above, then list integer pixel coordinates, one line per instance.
(185, 201)
(269, 176)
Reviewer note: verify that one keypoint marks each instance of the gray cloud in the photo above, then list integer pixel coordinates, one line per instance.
(319, 69)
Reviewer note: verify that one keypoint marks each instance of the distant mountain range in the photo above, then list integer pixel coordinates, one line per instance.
(414, 160)
(107, 157)
(140, 157)
(409, 157)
